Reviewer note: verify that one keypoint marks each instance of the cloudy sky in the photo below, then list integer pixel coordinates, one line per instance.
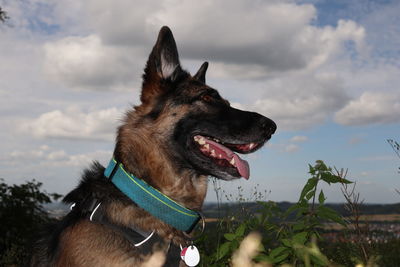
(328, 73)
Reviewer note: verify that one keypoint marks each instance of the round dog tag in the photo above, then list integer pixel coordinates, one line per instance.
(183, 251)
(190, 256)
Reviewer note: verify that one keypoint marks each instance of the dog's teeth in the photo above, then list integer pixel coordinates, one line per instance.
(232, 161)
(207, 146)
(196, 138)
(213, 153)
(251, 145)
(202, 141)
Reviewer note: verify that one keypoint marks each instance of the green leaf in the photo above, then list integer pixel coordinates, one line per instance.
(298, 226)
(302, 204)
(310, 194)
(277, 251)
(311, 183)
(319, 260)
(321, 197)
(280, 258)
(291, 209)
(311, 169)
(229, 236)
(330, 178)
(345, 181)
(234, 244)
(223, 250)
(240, 230)
(286, 242)
(263, 258)
(300, 238)
(330, 214)
(320, 166)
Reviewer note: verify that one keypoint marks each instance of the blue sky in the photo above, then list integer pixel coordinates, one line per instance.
(327, 72)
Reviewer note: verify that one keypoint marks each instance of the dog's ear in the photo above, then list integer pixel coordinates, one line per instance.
(163, 64)
(201, 73)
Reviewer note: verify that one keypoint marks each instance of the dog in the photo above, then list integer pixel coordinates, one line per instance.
(150, 196)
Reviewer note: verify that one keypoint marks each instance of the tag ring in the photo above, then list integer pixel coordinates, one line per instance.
(203, 226)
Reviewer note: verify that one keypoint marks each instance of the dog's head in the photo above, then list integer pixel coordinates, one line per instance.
(189, 123)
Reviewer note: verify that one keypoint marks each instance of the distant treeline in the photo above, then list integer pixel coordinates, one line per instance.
(211, 209)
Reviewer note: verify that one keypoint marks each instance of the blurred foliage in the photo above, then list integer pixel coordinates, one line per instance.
(21, 215)
(346, 253)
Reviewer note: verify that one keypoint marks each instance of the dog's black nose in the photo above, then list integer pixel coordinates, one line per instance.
(268, 126)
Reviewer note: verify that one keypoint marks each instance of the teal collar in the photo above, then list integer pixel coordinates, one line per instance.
(150, 199)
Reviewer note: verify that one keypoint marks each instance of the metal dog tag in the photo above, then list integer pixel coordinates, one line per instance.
(190, 255)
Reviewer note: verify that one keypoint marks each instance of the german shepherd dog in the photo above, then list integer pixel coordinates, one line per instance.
(182, 132)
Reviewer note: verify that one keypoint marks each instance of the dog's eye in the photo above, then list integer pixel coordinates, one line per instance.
(207, 98)
(210, 96)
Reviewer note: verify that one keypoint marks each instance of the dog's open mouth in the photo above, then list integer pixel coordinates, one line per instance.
(223, 154)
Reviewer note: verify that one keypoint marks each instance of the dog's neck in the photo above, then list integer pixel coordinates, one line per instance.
(185, 188)
(142, 158)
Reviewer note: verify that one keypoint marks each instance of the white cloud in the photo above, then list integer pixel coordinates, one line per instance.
(83, 159)
(284, 147)
(57, 155)
(301, 101)
(371, 108)
(364, 174)
(379, 158)
(85, 62)
(291, 148)
(57, 168)
(42, 16)
(274, 36)
(50, 157)
(28, 155)
(75, 124)
(383, 32)
(299, 139)
(260, 37)
(123, 22)
(271, 53)
(223, 70)
(356, 140)
(283, 47)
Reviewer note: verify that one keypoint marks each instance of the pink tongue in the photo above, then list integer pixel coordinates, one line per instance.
(241, 165)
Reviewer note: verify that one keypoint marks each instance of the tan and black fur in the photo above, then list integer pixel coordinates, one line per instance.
(154, 143)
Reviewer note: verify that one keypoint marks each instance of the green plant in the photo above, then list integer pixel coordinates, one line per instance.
(294, 238)
(284, 240)
(356, 228)
(227, 234)
(21, 216)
